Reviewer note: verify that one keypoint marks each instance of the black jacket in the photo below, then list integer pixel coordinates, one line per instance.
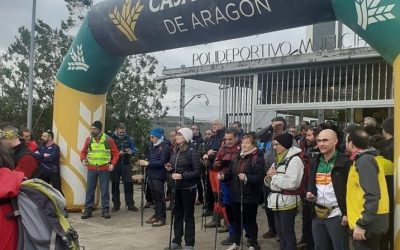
(339, 174)
(187, 163)
(253, 166)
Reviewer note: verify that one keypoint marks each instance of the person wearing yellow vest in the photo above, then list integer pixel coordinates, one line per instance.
(99, 155)
(367, 197)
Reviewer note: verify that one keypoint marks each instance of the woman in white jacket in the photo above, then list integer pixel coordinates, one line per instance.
(284, 179)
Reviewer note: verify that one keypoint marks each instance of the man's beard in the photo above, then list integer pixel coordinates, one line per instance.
(94, 134)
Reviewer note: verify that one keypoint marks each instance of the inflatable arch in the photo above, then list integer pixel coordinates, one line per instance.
(116, 28)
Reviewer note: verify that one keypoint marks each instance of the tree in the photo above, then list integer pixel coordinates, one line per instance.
(51, 45)
(134, 97)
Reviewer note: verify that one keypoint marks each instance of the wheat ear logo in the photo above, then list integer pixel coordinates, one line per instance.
(126, 20)
(78, 60)
(369, 12)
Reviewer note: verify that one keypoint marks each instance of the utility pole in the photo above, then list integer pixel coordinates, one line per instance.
(182, 103)
(31, 66)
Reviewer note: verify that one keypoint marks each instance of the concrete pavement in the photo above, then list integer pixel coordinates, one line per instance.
(124, 232)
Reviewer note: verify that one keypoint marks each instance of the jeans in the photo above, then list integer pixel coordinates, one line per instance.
(184, 213)
(124, 172)
(284, 223)
(104, 179)
(157, 190)
(329, 234)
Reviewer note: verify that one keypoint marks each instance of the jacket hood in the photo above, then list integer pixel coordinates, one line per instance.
(292, 151)
(369, 150)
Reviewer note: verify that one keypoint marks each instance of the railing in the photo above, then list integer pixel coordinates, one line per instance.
(237, 99)
(328, 83)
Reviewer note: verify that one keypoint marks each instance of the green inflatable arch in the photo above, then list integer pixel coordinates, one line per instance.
(117, 28)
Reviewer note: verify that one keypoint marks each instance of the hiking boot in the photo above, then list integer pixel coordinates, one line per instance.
(233, 247)
(151, 220)
(114, 209)
(105, 214)
(173, 247)
(133, 208)
(86, 215)
(212, 224)
(228, 241)
(223, 229)
(269, 234)
(158, 223)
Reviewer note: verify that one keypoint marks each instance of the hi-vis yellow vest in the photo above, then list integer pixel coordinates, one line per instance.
(355, 194)
(98, 154)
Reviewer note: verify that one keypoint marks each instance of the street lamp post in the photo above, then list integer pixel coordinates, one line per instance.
(31, 66)
(182, 109)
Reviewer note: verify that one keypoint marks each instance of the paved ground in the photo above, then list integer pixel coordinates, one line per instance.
(123, 231)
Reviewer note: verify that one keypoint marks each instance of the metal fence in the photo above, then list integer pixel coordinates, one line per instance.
(327, 83)
(236, 97)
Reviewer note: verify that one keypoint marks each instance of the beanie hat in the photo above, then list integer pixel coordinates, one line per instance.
(186, 133)
(157, 132)
(97, 124)
(285, 139)
(388, 125)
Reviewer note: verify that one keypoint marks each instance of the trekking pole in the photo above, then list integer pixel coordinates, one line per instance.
(172, 213)
(241, 214)
(219, 205)
(205, 199)
(143, 193)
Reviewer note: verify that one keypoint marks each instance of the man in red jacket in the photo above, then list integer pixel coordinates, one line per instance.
(23, 157)
(99, 155)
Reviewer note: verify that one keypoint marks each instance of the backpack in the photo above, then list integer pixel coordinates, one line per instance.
(38, 209)
(302, 189)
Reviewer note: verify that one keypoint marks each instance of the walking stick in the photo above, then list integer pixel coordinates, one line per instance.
(219, 205)
(172, 213)
(144, 185)
(203, 218)
(241, 214)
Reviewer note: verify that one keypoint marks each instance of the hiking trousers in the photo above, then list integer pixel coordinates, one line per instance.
(184, 216)
(123, 172)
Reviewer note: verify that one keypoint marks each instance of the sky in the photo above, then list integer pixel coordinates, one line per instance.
(15, 13)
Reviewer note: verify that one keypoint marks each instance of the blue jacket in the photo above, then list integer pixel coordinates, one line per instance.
(158, 156)
(52, 162)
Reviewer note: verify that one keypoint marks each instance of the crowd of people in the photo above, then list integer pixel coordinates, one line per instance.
(341, 179)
